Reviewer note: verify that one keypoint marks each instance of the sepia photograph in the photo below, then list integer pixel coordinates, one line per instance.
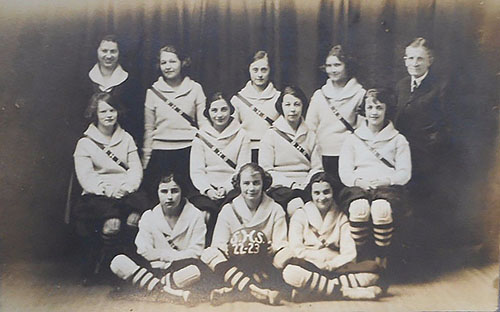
(242, 155)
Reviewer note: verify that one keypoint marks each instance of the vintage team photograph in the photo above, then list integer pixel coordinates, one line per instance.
(243, 155)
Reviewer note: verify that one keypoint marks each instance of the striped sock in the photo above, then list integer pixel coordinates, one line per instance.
(359, 232)
(382, 233)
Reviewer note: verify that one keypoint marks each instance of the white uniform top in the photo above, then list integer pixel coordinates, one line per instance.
(357, 161)
(94, 168)
(283, 161)
(254, 125)
(186, 240)
(327, 243)
(206, 168)
(330, 131)
(268, 218)
(164, 128)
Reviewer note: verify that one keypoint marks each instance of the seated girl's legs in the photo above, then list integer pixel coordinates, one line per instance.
(131, 207)
(289, 199)
(355, 201)
(310, 280)
(331, 166)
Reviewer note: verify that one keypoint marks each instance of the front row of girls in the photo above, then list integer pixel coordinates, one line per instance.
(374, 163)
(250, 256)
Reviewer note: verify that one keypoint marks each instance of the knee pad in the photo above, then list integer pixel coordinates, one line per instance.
(123, 266)
(186, 276)
(381, 212)
(293, 205)
(366, 279)
(111, 227)
(282, 257)
(131, 222)
(296, 276)
(359, 210)
(212, 256)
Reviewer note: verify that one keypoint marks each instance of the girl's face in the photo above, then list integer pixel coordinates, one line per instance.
(292, 108)
(170, 195)
(107, 115)
(107, 54)
(322, 195)
(219, 113)
(251, 184)
(170, 65)
(375, 112)
(335, 69)
(259, 72)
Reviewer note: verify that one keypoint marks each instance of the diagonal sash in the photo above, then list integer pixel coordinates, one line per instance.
(216, 150)
(175, 107)
(257, 111)
(109, 153)
(294, 144)
(351, 129)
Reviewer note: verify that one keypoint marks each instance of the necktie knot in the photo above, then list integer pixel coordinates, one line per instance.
(414, 86)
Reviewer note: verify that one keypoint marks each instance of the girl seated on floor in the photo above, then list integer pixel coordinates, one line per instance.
(250, 230)
(375, 164)
(321, 250)
(170, 241)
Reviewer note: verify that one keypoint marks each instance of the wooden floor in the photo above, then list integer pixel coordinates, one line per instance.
(52, 286)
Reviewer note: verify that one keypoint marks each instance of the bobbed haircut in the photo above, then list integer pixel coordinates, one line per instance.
(322, 176)
(298, 93)
(421, 42)
(185, 60)
(381, 95)
(91, 110)
(267, 180)
(218, 95)
(345, 57)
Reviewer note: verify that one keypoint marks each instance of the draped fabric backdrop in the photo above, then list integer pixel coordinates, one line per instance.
(48, 47)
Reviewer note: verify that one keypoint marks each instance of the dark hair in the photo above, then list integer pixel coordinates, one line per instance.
(267, 180)
(185, 60)
(345, 57)
(91, 111)
(322, 176)
(381, 95)
(215, 97)
(420, 42)
(298, 93)
(110, 38)
(259, 55)
(174, 177)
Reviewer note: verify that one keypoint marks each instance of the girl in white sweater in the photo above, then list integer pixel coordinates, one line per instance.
(109, 170)
(170, 129)
(218, 150)
(375, 164)
(288, 150)
(322, 251)
(255, 102)
(341, 93)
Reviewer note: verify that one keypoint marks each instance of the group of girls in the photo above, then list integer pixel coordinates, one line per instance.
(296, 195)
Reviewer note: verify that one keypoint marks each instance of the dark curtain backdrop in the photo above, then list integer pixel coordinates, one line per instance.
(48, 47)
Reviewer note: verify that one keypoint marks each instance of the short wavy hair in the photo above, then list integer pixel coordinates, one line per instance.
(185, 60)
(91, 110)
(381, 95)
(215, 97)
(295, 91)
(345, 57)
(267, 180)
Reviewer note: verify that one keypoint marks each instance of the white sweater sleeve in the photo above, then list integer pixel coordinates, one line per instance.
(88, 178)
(312, 116)
(402, 173)
(197, 165)
(200, 106)
(149, 127)
(267, 154)
(346, 162)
